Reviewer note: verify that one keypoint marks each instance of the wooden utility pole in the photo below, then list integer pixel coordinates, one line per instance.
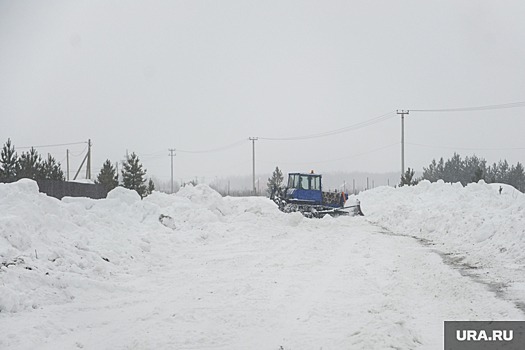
(80, 167)
(172, 153)
(67, 164)
(88, 166)
(402, 113)
(253, 139)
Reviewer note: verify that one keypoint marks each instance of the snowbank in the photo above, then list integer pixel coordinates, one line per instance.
(475, 222)
(50, 250)
(196, 270)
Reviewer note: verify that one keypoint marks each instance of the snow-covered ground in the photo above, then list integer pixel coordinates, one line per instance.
(475, 226)
(198, 271)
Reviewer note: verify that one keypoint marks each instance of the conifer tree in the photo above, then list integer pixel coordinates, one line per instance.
(29, 165)
(275, 182)
(133, 176)
(8, 162)
(478, 175)
(408, 178)
(151, 187)
(516, 177)
(473, 169)
(108, 176)
(51, 170)
(454, 169)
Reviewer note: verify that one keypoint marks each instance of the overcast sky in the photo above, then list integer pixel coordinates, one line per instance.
(145, 76)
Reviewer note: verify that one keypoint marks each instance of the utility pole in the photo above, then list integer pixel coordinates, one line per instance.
(172, 153)
(253, 139)
(67, 164)
(80, 167)
(402, 113)
(88, 165)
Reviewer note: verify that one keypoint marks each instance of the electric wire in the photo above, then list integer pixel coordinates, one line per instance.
(78, 154)
(157, 153)
(218, 149)
(56, 145)
(477, 108)
(356, 126)
(346, 157)
(467, 148)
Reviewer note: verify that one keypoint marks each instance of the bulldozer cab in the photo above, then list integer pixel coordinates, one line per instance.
(304, 187)
(304, 181)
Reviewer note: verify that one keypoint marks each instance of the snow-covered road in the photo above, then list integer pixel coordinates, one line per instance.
(241, 275)
(337, 285)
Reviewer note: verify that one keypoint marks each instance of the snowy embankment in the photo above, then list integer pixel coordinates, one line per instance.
(198, 271)
(484, 229)
(79, 244)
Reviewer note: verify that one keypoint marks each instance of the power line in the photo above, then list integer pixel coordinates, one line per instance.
(218, 149)
(477, 108)
(467, 148)
(151, 157)
(356, 126)
(346, 157)
(56, 145)
(157, 153)
(78, 154)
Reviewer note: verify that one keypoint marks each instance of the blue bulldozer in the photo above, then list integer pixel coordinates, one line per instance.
(304, 193)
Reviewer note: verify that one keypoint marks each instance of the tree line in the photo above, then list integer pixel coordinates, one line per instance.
(31, 165)
(469, 169)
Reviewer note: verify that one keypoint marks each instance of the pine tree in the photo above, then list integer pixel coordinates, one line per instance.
(454, 169)
(275, 182)
(440, 169)
(151, 187)
(29, 165)
(431, 173)
(51, 170)
(503, 171)
(8, 162)
(408, 178)
(516, 177)
(492, 173)
(478, 175)
(108, 176)
(133, 176)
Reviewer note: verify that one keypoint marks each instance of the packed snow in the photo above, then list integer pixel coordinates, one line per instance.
(475, 225)
(195, 270)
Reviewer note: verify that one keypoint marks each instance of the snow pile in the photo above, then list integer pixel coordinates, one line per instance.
(50, 250)
(484, 227)
(195, 270)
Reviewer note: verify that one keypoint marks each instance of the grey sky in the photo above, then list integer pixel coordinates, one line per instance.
(146, 76)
